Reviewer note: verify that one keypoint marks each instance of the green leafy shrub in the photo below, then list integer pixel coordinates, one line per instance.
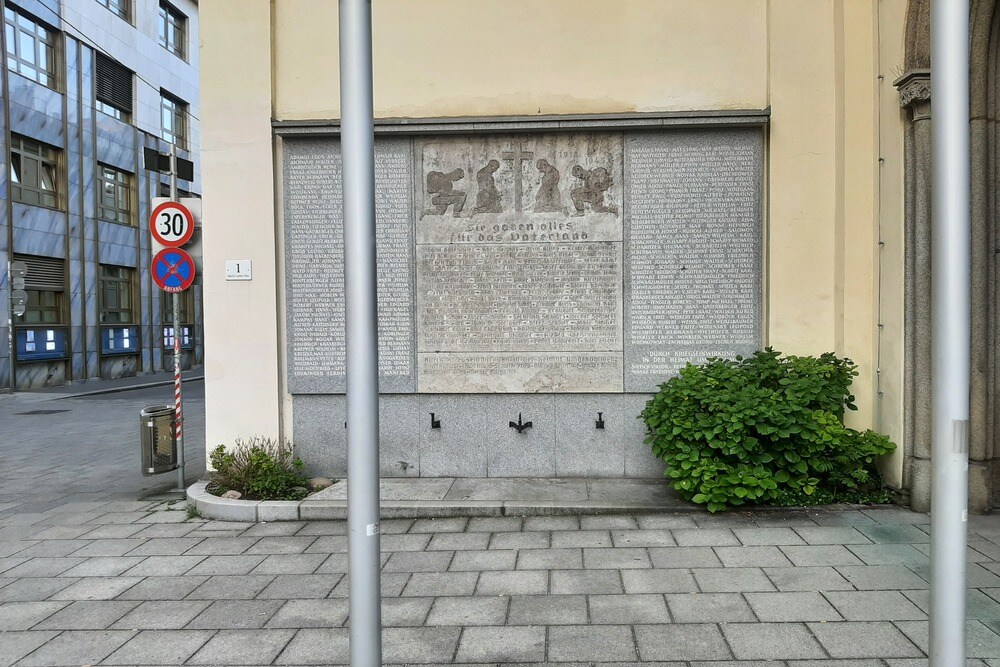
(260, 469)
(765, 430)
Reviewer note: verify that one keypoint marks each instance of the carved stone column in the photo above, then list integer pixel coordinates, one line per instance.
(915, 96)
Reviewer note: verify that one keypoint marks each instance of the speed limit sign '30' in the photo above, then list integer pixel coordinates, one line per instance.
(171, 224)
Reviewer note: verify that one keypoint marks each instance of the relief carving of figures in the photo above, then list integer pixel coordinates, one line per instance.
(547, 198)
(595, 184)
(442, 187)
(488, 197)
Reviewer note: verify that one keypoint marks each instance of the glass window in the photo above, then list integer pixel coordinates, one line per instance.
(172, 24)
(43, 307)
(173, 118)
(30, 48)
(117, 290)
(114, 196)
(113, 87)
(119, 7)
(34, 170)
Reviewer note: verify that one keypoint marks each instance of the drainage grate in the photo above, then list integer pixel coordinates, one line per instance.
(40, 412)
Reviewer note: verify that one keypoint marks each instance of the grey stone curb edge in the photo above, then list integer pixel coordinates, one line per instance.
(224, 509)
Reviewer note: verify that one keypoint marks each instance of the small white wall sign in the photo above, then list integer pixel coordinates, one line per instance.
(239, 269)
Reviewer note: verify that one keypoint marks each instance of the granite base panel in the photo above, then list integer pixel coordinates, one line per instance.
(474, 437)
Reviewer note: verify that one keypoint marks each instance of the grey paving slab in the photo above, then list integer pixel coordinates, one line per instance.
(688, 641)
(628, 609)
(419, 561)
(658, 581)
(326, 613)
(475, 561)
(328, 544)
(317, 646)
(792, 607)
(882, 577)
(533, 523)
(465, 611)
(242, 647)
(763, 556)
(684, 557)
(159, 647)
(214, 565)
(562, 539)
(709, 608)
(832, 554)
(97, 588)
(591, 643)
(608, 523)
(567, 582)
(25, 615)
(33, 589)
(772, 641)
(894, 534)
(405, 612)
(165, 588)
(224, 587)
(876, 605)
(300, 586)
(551, 559)
(419, 645)
(87, 615)
(822, 578)
(981, 641)
(16, 645)
(104, 566)
(440, 583)
(778, 536)
(865, 640)
(495, 524)
(161, 615)
(458, 541)
(979, 605)
(547, 610)
(888, 554)
(520, 582)
(42, 567)
(75, 648)
(536, 540)
(447, 525)
(732, 580)
(290, 564)
(831, 535)
(501, 645)
(236, 614)
(281, 545)
(705, 537)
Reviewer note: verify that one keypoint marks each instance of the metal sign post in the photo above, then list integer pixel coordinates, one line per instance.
(951, 337)
(178, 415)
(357, 148)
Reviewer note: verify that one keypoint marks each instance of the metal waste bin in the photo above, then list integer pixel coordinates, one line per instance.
(159, 440)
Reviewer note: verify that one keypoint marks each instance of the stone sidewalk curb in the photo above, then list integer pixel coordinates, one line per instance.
(224, 509)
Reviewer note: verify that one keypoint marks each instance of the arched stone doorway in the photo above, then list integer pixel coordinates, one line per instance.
(915, 96)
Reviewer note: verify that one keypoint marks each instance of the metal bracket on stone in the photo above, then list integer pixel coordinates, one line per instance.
(435, 423)
(600, 421)
(520, 426)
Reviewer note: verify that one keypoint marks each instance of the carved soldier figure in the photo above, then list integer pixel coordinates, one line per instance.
(441, 186)
(488, 197)
(547, 198)
(595, 183)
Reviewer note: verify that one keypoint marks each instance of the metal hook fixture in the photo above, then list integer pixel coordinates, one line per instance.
(600, 420)
(435, 423)
(520, 426)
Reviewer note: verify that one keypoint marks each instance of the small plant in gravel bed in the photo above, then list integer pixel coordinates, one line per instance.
(259, 469)
(765, 430)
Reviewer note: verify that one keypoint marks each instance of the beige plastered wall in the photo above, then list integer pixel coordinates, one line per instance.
(822, 66)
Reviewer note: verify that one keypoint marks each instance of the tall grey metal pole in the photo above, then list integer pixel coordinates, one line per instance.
(357, 148)
(178, 414)
(950, 329)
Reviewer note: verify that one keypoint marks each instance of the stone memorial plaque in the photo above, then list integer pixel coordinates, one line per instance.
(519, 271)
(693, 232)
(314, 265)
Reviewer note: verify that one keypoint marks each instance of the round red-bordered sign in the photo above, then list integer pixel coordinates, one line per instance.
(173, 270)
(171, 224)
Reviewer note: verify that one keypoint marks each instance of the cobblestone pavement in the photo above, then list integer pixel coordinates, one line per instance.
(91, 576)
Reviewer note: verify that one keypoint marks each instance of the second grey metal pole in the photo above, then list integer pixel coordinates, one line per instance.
(950, 329)
(357, 148)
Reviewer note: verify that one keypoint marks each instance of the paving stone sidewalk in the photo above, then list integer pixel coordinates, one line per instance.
(91, 576)
(135, 583)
